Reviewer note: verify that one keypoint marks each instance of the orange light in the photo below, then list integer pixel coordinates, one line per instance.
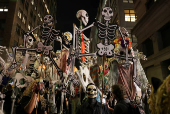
(42, 67)
(75, 69)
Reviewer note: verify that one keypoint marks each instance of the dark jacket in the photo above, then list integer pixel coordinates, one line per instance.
(86, 109)
(122, 107)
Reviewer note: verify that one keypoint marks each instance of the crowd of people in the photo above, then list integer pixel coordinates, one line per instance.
(33, 100)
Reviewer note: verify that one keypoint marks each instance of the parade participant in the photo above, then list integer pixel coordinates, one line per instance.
(33, 99)
(119, 94)
(8, 102)
(91, 105)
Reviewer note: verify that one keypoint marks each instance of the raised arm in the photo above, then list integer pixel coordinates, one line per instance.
(31, 104)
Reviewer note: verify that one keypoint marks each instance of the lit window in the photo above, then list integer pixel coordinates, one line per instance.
(47, 11)
(127, 1)
(38, 15)
(46, 6)
(5, 10)
(32, 2)
(29, 27)
(130, 15)
(35, 8)
(1, 10)
(19, 14)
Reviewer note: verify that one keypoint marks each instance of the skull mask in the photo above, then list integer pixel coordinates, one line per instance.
(91, 91)
(82, 16)
(48, 20)
(107, 13)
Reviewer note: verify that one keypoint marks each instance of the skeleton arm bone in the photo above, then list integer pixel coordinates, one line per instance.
(34, 29)
(87, 54)
(87, 27)
(122, 37)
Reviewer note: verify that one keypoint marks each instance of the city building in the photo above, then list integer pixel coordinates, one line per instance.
(20, 16)
(124, 16)
(152, 32)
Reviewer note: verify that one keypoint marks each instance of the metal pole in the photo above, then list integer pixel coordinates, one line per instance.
(103, 81)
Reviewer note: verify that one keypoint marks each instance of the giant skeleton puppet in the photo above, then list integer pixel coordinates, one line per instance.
(48, 35)
(106, 31)
(74, 53)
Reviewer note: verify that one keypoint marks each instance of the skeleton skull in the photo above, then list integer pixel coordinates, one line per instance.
(107, 13)
(68, 36)
(48, 20)
(29, 41)
(18, 77)
(82, 15)
(91, 91)
(46, 59)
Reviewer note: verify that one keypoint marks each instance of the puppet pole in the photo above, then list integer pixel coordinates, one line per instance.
(104, 56)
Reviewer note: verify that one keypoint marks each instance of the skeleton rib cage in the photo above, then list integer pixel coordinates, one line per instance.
(49, 34)
(103, 29)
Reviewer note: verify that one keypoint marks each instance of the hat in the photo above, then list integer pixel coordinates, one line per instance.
(155, 83)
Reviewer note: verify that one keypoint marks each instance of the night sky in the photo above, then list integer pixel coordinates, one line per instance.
(66, 13)
(66, 16)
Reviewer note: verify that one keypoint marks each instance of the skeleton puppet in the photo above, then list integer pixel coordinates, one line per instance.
(106, 31)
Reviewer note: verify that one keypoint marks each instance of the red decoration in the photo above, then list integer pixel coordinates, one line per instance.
(82, 48)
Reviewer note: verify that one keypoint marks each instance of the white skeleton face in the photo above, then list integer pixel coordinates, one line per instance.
(68, 35)
(29, 41)
(46, 59)
(107, 13)
(91, 91)
(48, 20)
(19, 77)
(33, 75)
(82, 15)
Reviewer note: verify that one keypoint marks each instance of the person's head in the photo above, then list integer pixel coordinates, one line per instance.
(91, 90)
(118, 91)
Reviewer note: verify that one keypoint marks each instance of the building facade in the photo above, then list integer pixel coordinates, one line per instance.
(20, 16)
(152, 32)
(125, 16)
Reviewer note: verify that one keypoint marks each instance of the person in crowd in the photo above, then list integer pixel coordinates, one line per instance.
(119, 94)
(32, 100)
(110, 100)
(8, 101)
(91, 105)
